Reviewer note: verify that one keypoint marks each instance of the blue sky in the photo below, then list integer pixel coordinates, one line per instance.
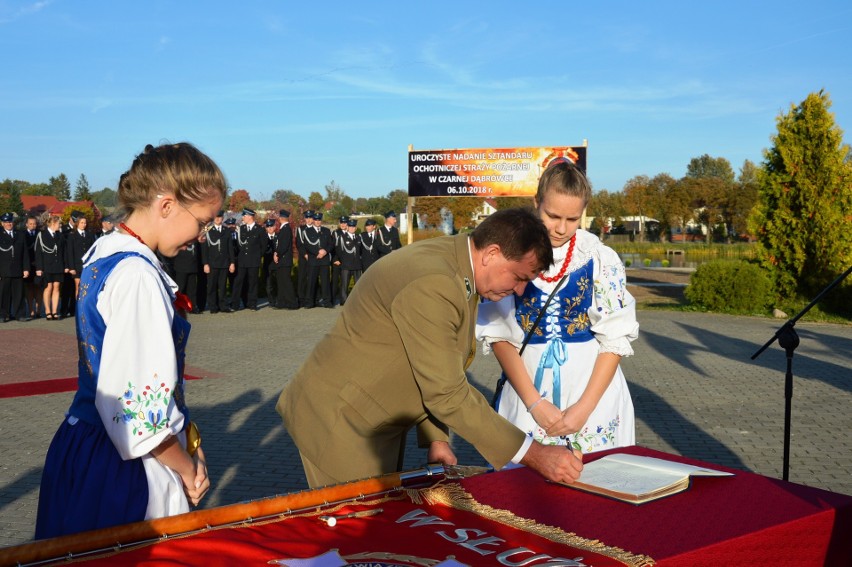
(293, 95)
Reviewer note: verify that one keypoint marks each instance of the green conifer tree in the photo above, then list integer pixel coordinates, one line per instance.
(804, 211)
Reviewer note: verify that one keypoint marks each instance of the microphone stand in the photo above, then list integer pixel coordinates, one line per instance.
(788, 339)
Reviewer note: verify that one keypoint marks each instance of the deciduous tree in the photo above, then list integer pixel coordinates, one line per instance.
(639, 200)
(711, 184)
(316, 201)
(105, 198)
(238, 200)
(605, 206)
(463, 209)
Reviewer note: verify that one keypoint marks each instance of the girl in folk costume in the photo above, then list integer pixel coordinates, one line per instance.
(126, 450)
(566, 387)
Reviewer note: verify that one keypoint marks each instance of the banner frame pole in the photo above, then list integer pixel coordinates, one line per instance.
(409, 210)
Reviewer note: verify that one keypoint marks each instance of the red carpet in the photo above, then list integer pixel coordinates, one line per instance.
(45, 387)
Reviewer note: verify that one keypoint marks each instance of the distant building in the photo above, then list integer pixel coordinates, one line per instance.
(43, 205)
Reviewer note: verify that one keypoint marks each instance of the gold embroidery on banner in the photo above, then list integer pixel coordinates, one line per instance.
(455, 496)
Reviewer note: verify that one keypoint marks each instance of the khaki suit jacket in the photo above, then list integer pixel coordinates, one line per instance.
(394, 359)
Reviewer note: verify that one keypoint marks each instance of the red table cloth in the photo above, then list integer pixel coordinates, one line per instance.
(508, 518)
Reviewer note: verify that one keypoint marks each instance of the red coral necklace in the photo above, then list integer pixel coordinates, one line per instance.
(564, 267)
(126, 229)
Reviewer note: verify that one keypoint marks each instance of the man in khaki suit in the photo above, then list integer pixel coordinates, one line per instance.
(410, 322)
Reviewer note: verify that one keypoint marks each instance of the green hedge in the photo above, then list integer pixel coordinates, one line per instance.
(730, 286)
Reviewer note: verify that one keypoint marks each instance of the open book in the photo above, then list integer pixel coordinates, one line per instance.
(637, 479)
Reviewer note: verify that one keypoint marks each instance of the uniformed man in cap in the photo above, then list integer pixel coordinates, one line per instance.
(251, 243)
(348, 256)
(231, 225)
(32, 287)
(369, 246)
(107, 226)
(186, 273)
(389, 235)
(284, 263)
(269, 275)
(14, 267)
(335, 263)
(217, 259)
(318, 245)
(302, 281)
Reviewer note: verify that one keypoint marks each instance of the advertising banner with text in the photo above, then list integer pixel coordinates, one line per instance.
(495, 172)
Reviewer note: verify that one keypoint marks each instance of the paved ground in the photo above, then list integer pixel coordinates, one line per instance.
(695, 389)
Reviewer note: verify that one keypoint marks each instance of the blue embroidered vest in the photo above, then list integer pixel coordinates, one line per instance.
(566, 321)
(90, 337)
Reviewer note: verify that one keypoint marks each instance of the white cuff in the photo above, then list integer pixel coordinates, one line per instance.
(522, 452)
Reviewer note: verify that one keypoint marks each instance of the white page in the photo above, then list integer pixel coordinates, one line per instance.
(633, 480)
(678, 469)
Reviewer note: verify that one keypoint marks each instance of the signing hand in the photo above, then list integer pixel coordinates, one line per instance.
(554, 462)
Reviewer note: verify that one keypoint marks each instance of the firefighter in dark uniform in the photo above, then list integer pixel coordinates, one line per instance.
(251, 243)
(77, 243)
(14, 267)
(32, 285)
(348, 254)
(231, 225)
(302, 279)
(186, 273)
(68, 297)
(217, 258)
(389, 235)
(284, 263)
(318, 245)
(107, 226)
(268, 273)
(369, 245)
(335, 263)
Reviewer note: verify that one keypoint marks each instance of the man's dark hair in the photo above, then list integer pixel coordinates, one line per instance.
(516, 231)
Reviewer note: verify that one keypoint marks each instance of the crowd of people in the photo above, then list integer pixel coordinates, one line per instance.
(41, 262)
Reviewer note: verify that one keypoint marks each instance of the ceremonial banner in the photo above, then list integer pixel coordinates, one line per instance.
(441, 527)
(496, 172)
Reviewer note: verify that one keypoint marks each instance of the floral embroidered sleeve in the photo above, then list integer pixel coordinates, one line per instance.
(496, 322)
(138, 368)
(613, 311)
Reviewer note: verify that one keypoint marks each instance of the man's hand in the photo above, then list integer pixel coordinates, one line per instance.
(554, 462)
(206, 268)
(440, 452)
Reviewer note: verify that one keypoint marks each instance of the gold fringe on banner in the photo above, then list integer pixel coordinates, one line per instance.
(456, 497)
